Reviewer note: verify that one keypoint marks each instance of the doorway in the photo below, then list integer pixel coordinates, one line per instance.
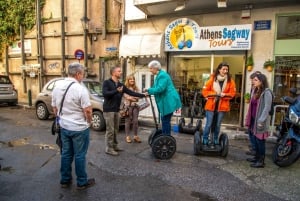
(190, 72)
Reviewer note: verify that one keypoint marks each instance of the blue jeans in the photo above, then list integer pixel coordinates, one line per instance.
(252, 139)
(208, 125)
(166, 124)
(74, 145)
(260, 146)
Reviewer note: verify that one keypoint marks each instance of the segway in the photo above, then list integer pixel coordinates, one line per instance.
(190, 128)
(163, 146)
(220, 149)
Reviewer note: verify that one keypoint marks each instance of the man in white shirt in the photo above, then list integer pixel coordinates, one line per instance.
(74, 118)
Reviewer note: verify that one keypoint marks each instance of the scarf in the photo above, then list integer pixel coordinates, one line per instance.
(216, 84)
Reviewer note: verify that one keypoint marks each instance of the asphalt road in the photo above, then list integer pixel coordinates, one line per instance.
(30, 163)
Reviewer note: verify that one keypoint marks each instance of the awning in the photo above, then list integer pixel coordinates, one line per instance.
(148, 45)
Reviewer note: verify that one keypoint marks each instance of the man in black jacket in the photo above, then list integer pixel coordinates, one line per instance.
(113, 91)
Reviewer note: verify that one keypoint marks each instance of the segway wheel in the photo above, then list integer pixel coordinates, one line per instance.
(181, 124)
(224, 142)
(197, 143)
(155, 133)
(164, 147)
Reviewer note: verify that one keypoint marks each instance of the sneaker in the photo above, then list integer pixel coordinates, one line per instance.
(111, 151)
(89, 183)
(66, 184)
(137, 139)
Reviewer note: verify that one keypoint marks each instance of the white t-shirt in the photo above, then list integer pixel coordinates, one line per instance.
(77, 97)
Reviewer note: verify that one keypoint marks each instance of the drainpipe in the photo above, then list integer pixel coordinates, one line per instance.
(103, 11)
(40, 44)
(85, 39)
(63, 37)
(23, 58)
(6, 60)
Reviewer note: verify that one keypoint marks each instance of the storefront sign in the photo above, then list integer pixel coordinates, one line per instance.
(262, 25)
(185, 35)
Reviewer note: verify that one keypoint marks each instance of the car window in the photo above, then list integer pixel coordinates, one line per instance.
(4, 80)
(51, 86)
(94, 87)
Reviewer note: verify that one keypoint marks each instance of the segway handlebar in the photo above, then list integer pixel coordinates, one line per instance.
(153, 112)
(218, 96)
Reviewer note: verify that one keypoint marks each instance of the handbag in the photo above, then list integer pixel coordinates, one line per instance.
(143, 103)
(124, 110)
(55, 129)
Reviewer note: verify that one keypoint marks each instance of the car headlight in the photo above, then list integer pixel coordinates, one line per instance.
(294, 118)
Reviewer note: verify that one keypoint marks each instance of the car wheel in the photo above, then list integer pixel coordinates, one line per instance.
(98, 122)
(42, 112)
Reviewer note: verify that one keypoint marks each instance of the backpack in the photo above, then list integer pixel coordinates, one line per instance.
(271, 112)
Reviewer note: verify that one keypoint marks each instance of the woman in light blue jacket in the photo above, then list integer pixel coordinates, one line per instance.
(166, 96)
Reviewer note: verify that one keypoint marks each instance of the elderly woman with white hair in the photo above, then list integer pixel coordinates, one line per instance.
(166, 96)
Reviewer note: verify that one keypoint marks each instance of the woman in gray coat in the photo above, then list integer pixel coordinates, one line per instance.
(258, 118)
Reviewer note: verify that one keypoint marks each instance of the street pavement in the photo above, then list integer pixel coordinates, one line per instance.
(30, 168)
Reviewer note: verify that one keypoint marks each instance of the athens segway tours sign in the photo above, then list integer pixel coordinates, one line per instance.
(186, 35)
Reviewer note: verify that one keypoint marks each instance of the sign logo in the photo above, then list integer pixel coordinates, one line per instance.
(181, 34)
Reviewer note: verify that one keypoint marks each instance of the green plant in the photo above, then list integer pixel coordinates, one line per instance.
(269, 63)
(250, 61)
(247, 96)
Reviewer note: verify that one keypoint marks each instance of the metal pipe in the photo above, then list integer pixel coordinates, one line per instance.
(40, 44)
(23, 58)
(103, 9)
(63, 37)
(85, 38)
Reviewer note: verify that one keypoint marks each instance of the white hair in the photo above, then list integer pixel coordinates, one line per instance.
(154, 64)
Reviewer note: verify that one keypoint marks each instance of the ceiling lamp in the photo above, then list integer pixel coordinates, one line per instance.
(222, 3)
(180, 6)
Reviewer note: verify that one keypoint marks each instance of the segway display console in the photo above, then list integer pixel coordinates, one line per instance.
(219, 149)
(163, 146)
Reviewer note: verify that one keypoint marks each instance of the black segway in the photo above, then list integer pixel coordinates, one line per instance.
(211, 148)
(190, 128)
(163, 146)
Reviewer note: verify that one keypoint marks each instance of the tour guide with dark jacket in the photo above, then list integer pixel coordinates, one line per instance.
(113, 91)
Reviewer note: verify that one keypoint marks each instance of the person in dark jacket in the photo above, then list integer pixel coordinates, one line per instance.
(113, 91)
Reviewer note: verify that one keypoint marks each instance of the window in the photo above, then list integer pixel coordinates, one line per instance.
(288, 27)
(287, 75)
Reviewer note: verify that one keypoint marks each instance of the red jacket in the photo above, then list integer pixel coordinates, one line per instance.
(224, 105)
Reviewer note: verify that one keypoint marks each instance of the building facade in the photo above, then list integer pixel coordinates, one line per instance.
(66, 31)
(191, 46)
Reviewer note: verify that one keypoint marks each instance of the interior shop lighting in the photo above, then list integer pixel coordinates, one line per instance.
(222, 3)
(180, 7)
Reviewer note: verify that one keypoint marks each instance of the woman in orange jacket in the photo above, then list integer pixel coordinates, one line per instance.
(220, 83)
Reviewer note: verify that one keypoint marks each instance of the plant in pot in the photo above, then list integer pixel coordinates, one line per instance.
(269, 65)
(247, 97)
(250, 63)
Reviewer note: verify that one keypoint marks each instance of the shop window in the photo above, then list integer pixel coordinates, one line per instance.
(288, 27)
(287, 75)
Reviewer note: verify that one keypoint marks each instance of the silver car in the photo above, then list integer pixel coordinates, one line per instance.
(44, 108)
(8, 93)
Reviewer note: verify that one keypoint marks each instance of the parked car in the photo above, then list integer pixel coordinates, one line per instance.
(44, 108)
(8, 93)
